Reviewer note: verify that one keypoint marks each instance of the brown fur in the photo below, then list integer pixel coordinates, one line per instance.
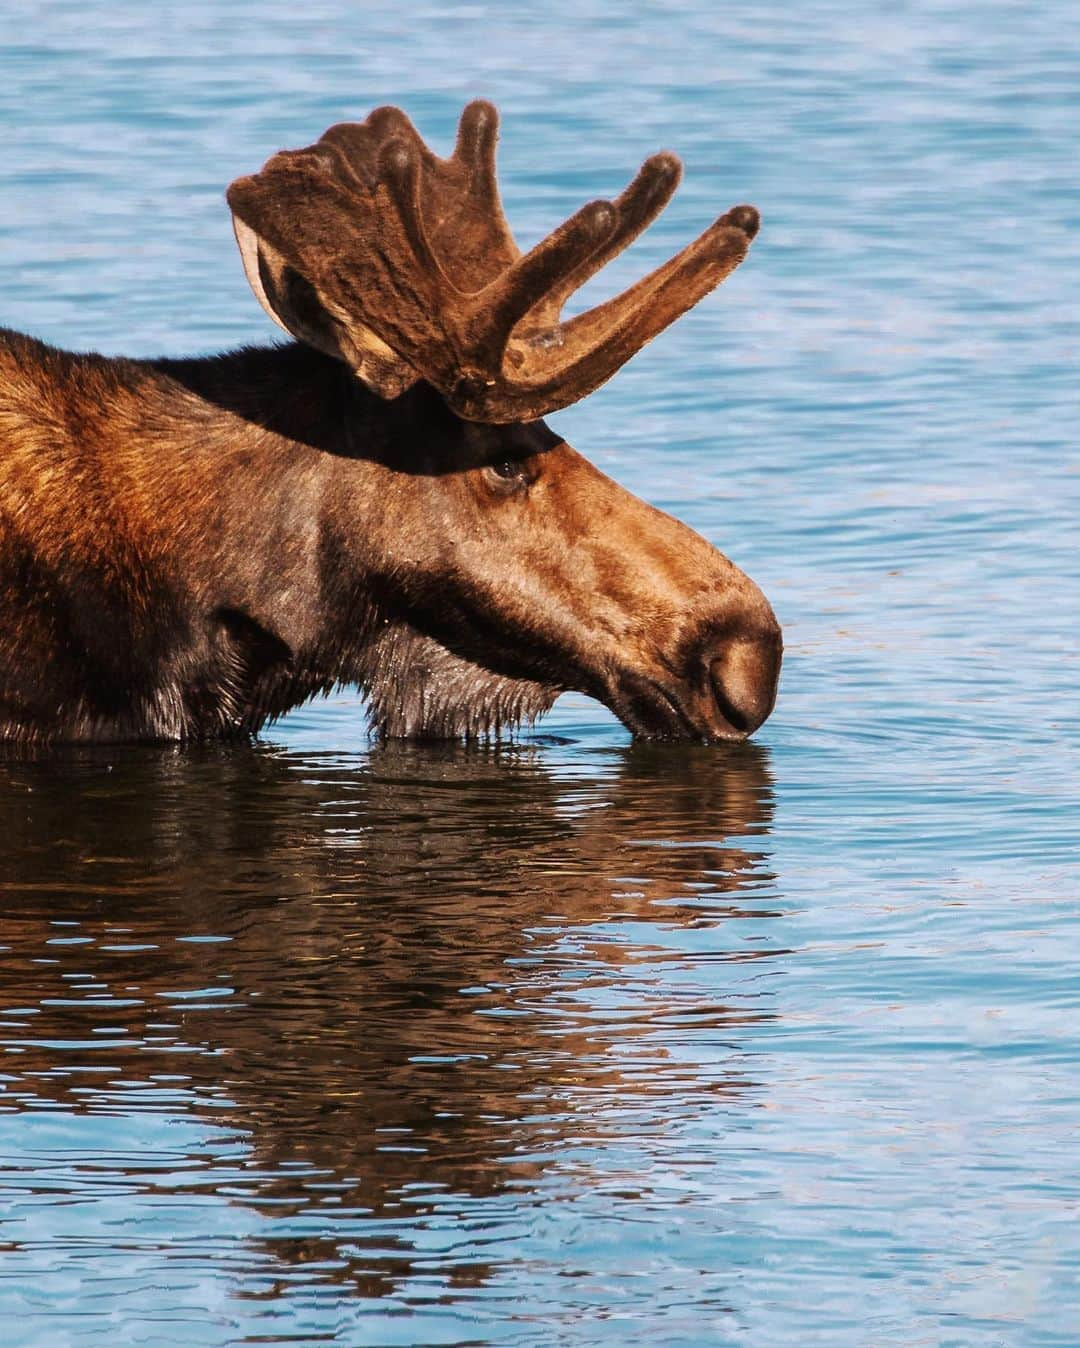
(189, 548)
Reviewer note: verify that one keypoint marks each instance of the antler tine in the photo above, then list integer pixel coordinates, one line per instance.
(500, 306)
(399, 169)
(598, 342)
(462, 212)
(698, 268)
(355, 147)
(637, 207)
(477, 137)
(389, 123)
(358, 143)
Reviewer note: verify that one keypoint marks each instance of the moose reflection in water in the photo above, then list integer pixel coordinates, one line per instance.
(435, 968)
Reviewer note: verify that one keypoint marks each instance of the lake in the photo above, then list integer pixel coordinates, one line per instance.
(570, 1040)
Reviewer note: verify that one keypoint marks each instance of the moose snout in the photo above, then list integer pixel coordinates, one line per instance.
(744, 671)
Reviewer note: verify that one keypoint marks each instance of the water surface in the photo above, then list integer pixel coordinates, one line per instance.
(571, 1040)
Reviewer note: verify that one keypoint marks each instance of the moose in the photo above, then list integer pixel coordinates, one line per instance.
(190, 547)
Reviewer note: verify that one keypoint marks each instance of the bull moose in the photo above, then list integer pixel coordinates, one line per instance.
(190, 547)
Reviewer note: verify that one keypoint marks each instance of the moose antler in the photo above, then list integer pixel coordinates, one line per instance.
(371, 247)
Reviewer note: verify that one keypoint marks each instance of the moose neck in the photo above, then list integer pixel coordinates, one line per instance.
(302, 472)
(288, 393)
(270, 443)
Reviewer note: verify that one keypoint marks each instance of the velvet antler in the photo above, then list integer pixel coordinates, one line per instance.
(372, 248)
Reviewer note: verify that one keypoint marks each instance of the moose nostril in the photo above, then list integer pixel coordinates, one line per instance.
(744, 678)
(732, 714)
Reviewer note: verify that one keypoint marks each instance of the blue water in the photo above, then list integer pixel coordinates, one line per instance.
(575, 1041)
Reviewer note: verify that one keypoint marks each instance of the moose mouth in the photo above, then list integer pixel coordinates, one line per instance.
(728, 699)
(652, 709)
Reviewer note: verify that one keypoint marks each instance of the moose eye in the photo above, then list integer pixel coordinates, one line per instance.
(508, 469)
(510, 474)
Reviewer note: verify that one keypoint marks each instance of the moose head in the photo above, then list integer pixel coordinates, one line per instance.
(511, 568)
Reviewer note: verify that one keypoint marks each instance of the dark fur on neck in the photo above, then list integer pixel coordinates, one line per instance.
(166, 569)
(418, 689)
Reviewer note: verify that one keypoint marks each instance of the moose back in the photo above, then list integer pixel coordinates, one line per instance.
(189, 548)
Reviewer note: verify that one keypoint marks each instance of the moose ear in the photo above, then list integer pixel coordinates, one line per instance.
(295, 305)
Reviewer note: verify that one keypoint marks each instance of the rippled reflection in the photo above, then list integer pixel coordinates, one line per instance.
(396, 981)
